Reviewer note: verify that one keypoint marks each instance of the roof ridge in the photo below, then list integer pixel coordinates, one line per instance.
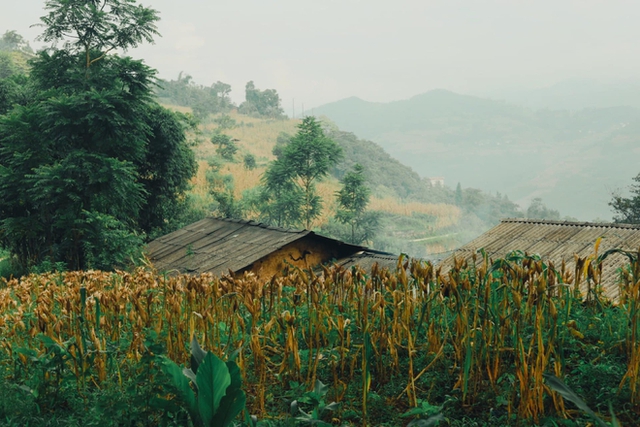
(570, 223)
(259, 224)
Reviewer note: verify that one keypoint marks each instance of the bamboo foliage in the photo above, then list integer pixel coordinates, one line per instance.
(480, 321)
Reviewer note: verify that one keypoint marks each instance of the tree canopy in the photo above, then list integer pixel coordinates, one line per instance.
(306, 159)
(627, 209)
(89, 164)
(97, 27)
(353, 199)
(280, 200)
(11, 41)
(203, 100)
(261, 103)
(538, 210)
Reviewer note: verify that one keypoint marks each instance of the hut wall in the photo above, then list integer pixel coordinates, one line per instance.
(305, 253)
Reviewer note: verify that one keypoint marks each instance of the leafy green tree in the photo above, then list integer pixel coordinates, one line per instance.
(353, 199)
(97, 27)
(165, 171)
(7, 66)
(11, 41)
(281, 142)
(91, 164)
(227, 204)
(458, 197)
(627, 209)
(309, 157)
(281, 198)
(538, 210)
(221, 189)
(14, 90)
(250, 162)
(369, 225)
(202, 100)
(265, 103)
(225, 122)
(227, 147)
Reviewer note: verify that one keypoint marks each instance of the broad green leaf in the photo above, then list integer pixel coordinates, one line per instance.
(213, 379)
(189, 374)
(557, 385)
(234, 400)
(197, 355)
(320, 389)
(181, 384)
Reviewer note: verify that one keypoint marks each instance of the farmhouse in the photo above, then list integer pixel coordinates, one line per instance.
(558, 242)
(220, 246)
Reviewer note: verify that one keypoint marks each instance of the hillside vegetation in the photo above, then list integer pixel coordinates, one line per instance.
(416, 217)
(413, 216)
(572, 159)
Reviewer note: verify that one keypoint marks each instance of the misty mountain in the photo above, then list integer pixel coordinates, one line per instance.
(572, 159)
(577, 94)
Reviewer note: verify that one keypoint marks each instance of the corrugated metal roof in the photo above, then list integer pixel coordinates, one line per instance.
(558, 241)
(217, 245)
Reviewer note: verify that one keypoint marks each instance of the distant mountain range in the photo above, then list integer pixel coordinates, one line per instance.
(576, 94)
(572, 159)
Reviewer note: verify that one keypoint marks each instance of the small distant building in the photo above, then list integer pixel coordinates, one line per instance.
(220, 246)
(557, 241)
(436, 181)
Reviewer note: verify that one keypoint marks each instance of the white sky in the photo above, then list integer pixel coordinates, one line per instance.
(324, 50)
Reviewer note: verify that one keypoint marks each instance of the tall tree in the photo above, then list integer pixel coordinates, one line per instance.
(353, 199)
(12, 41)
(227, 147)
(7, 66)
(458, 198)
(261, 103)
(309, 156)
(91, 164)
(280, 200)
(538, 210)
(98, 27)
(627, 209)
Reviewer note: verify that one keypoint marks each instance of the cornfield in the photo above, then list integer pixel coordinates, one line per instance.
(494, 328)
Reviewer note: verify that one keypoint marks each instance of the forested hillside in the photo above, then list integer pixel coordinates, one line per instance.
(554, 154)
(415, 217)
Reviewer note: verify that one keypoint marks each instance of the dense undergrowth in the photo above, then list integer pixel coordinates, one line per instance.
(472, 343)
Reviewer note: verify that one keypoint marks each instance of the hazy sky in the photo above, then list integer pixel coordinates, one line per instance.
(324, 50)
